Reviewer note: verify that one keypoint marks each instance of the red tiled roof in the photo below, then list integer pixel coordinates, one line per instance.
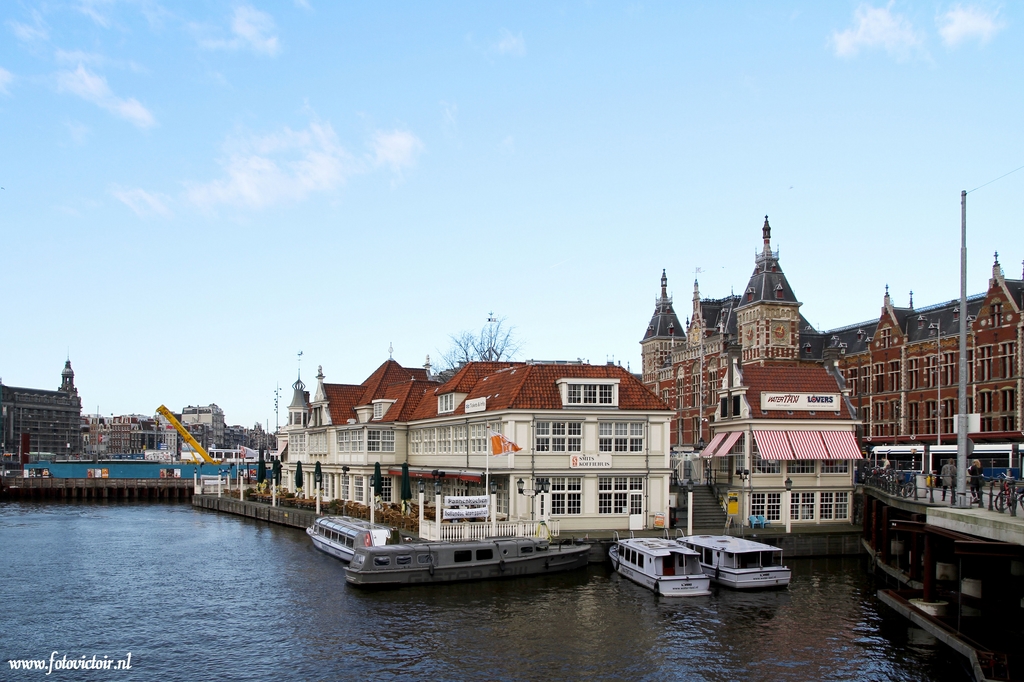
(341, 401)
(387, 374)
(470, 373)
(803, 378)
(407, 396)
(522, 386)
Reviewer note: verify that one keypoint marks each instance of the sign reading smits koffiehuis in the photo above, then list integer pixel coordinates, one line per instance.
(819, 402)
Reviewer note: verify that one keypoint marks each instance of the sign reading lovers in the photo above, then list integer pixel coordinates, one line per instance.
(818, 402)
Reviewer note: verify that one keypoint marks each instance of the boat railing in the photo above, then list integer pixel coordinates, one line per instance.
(481, 530)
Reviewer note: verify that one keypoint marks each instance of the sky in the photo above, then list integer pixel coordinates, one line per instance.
(194, 193)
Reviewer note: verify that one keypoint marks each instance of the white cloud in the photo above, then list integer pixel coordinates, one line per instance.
(28, 34)
(287, 166)
(93, 88)
(510, 44)
(395, 149)
(5, 79)
(143, 203)
(90, 8)
(290, 165)
(251, 28)
(877, 27)
(964, 23)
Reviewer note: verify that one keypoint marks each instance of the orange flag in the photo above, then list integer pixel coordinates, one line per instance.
(501, 445)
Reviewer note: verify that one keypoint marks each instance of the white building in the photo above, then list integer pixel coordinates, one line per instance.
(594, 433)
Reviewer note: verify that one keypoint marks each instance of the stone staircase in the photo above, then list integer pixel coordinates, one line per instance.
(708, 516)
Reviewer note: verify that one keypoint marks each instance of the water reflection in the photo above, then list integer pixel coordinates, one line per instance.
(195, 595)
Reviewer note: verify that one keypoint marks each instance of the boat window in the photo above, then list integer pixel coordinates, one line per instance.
(381, 561)
(484, 554)
(357, 560)
(752, 560)
(348, 542)
(693, 565)
(542, 548)
(463, 555)
(403, 560)
(423, 559)
(771, 559)
(526, 550)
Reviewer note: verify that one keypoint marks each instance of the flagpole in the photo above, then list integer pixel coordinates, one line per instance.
(487, 485)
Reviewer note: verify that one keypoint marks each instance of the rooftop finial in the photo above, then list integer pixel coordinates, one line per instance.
(911, 299)
(766, 231)
(664, 284)
(391, 351)
(886, 293)
(997, 270)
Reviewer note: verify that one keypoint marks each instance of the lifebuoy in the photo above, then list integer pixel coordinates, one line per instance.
(367, 540)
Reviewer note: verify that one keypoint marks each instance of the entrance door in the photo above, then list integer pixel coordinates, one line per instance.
(668, 564)
(636, 511)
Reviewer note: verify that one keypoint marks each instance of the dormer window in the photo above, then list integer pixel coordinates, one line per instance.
(750, 294)
(599, 394)
(446, 403)
(778, 291)
(956, 314)
(807, 347)
(920, 322)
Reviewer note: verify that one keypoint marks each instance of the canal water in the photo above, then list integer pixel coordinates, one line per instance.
(195, 595)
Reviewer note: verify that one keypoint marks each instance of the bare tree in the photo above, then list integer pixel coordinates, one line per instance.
(496, 341)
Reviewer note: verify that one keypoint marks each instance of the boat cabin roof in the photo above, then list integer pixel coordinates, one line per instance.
(348, 525)
(656, 546)
(727, 543)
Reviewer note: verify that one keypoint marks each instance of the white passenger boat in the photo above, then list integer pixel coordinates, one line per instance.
(659, 564)
(738, 563)
(340, 536)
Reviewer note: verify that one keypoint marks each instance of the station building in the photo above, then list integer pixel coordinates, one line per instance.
(593, 433)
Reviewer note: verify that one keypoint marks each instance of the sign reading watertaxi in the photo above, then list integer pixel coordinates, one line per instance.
(817, 402)
(598, 461)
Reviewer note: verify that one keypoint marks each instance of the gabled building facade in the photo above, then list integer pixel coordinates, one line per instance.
(593, 432)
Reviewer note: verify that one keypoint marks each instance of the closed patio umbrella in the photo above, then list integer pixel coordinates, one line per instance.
(378, 481)
(406, 487)
(261, 469)
(298, 475)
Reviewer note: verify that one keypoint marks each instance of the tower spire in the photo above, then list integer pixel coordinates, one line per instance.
(766, 233)
(664, 284)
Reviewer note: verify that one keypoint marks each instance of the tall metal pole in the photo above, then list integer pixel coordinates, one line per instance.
(961, 431)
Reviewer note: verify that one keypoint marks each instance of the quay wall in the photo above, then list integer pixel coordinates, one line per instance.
(155, 489)
(844, 542)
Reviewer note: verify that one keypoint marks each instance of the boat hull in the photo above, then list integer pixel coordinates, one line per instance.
(555, 560)
(328, 547)
(758, 579)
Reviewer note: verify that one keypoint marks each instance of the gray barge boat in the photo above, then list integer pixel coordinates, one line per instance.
(444, 562)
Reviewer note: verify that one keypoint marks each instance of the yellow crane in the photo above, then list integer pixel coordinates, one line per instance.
(185, 435)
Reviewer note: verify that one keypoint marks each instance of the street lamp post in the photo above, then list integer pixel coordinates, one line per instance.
(541, 487)
(789, 504)
(422, 487)
(689, 507)
(438, 512)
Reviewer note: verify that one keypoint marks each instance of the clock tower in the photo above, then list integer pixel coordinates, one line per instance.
(768, 315)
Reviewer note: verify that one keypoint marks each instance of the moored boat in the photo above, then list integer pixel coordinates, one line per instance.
(738, 563)
(662, 565)
(340, 536)
(441, 562)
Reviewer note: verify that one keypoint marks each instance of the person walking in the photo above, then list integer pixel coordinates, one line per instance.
(975, 473)
(947, 474)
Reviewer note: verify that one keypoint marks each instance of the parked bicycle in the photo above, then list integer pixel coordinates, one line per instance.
(1009, 495)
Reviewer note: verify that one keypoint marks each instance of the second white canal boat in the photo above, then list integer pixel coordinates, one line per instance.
(662, 565)
(738, 563)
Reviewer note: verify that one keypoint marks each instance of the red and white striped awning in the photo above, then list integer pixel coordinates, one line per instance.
(726, 446)
(773, 445)
(841, 445)
(807, 445)
(709, 451)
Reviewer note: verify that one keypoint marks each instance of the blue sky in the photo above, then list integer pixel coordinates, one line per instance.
(193, 193)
